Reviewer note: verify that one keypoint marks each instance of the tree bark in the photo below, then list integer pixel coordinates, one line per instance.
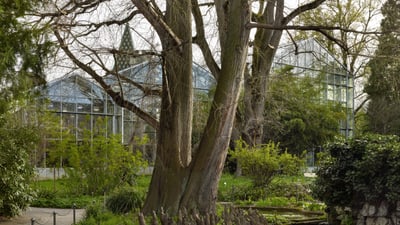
(174, 143)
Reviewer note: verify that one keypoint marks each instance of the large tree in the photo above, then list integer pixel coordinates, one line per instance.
(182, 177)
(383, 85)
(22, 51)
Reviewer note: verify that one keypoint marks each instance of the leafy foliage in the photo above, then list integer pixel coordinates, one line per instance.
(261, 164)
(296, 116)
(364, 169)
(23, 51)
(15, 170)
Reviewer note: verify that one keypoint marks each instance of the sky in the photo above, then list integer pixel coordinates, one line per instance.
(144, 37)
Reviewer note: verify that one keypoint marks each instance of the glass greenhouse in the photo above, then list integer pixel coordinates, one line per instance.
(80, 102)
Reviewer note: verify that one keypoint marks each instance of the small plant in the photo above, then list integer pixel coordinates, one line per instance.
(124, 200)
(94, 210)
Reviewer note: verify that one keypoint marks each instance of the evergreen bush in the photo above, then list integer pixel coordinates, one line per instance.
(364, 169)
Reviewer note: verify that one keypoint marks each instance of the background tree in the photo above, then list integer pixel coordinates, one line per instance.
(352, 49)
(296, 115)
(269, 21)
(383, 85)
(182, 177)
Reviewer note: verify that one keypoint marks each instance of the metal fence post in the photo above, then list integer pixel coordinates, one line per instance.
(54, 218)
(74, 213)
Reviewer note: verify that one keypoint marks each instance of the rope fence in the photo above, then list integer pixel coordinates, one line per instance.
(53, 217)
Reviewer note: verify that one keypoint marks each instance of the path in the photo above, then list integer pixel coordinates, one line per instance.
(45, 216)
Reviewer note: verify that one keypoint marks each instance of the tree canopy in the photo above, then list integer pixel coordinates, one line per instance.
(296, 115)
(23, 51)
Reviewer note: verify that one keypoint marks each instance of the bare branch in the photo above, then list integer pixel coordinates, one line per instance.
(301, 9)
(200, 40)
(152, 13)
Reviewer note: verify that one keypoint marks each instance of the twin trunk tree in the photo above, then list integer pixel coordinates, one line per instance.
(184, 177)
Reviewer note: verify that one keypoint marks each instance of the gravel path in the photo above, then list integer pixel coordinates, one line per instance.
(45, 216)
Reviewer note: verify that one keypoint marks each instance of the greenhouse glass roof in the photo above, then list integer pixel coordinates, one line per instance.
(74, 88)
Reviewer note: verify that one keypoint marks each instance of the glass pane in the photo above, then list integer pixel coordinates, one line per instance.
(81, 107)
(98, 106)
(110, 107)
(68, 107)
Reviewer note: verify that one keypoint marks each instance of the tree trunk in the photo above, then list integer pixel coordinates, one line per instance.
(266, 43)
(256, 81)
(174, 139)
(176, 183)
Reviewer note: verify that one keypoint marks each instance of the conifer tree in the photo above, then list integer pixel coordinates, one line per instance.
(383, 85)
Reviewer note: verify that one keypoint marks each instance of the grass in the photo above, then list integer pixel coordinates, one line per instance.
(283, 191)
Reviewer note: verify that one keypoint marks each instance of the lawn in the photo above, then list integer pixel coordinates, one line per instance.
(284, 189)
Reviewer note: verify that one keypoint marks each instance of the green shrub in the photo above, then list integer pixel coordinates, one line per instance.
(261, 164)
(365, 169)
(124, 200)
(300, 190)
(99, 163)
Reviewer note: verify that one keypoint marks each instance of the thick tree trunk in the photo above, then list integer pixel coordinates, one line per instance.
(176, 183)
(208, 163)
(174, 139)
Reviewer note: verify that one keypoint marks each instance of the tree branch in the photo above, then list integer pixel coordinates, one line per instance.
(152, 14)
(301, 9)
(201, 41)
(116, 96)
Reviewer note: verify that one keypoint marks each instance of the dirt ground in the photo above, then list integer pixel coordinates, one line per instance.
(45, 216)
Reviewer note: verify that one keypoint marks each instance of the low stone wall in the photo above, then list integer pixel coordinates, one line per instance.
(379, 214)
